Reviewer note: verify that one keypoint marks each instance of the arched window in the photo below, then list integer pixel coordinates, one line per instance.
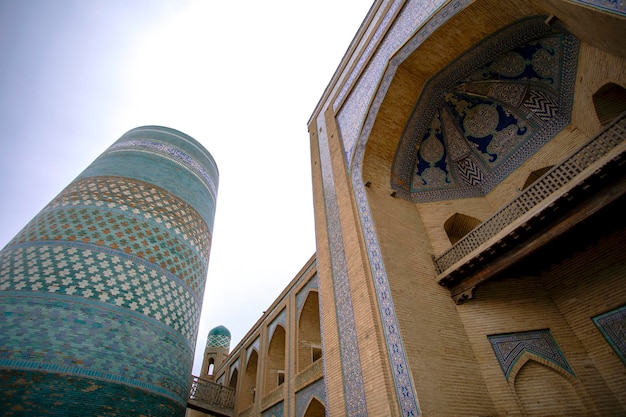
(458, 225)
(535, 175)
(275, 368)
(211, 366)
(309, 336)
(610, 102)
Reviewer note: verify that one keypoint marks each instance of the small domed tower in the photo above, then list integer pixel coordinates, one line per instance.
(216, 351)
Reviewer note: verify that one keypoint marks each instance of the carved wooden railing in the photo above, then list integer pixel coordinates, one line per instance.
(557, 177)
(211, 396)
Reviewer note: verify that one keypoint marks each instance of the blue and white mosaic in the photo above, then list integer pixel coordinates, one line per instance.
(483, 115)
(348, 343)
(510, 347)
(612, 324)
(315, 390)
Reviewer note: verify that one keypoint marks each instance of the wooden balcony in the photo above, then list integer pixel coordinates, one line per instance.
(565, 196)
(210, 397)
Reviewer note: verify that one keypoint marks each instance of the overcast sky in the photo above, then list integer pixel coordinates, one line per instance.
(242, 77)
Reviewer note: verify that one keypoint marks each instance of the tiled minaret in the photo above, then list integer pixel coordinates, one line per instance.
(216, 351)
(100, 294)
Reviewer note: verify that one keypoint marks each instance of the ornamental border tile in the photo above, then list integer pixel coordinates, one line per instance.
(355, 399)
(609, 325)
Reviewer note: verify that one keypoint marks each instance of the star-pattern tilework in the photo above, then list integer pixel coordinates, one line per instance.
(612, 324)
(96, 273)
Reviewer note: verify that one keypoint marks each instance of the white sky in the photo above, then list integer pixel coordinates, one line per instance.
(242, 77)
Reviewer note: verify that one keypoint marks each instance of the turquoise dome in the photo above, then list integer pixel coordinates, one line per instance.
(218, 337)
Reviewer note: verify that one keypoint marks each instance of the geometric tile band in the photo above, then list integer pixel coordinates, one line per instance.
(612, 324)
(162, 159)
(78, 341)
(95, 273)
(511, 346)
(106, 282)
(61, 392)
(96, 211)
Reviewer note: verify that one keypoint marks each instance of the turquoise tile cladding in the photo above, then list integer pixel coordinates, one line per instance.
(100, 294)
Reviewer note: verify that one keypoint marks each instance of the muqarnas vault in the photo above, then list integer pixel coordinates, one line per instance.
(100, 294)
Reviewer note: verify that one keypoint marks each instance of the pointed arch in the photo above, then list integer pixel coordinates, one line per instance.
(315, 408)
(544, 389)
(309, 334)
(247, 396)
(275, 363)
(233, 379)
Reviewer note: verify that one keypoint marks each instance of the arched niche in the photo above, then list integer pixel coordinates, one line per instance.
(458, 225)
(544, 390)
(309, 335)
(609, 102)
(247, 396)
(275, 360)
(315, 409)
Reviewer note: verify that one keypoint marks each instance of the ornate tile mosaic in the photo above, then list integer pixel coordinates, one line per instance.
(413, 14)
(483, 115)
(511, 346)
(171, 152)
(92, 339)
(612, 324)
(348, 343)
(60, 394)
(303, 397)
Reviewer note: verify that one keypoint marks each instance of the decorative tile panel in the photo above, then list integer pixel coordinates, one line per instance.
(427, 15)
(303, 397)
(484, 114)
(92, 339)
(348, 343)
(302, 295)
(612, 324)
(280, 319)
(511, 346)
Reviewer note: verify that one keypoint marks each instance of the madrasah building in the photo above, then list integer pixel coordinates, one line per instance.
(467, 162)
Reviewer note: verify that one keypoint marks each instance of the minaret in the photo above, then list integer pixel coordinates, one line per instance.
(100, 294)
(215, 352)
